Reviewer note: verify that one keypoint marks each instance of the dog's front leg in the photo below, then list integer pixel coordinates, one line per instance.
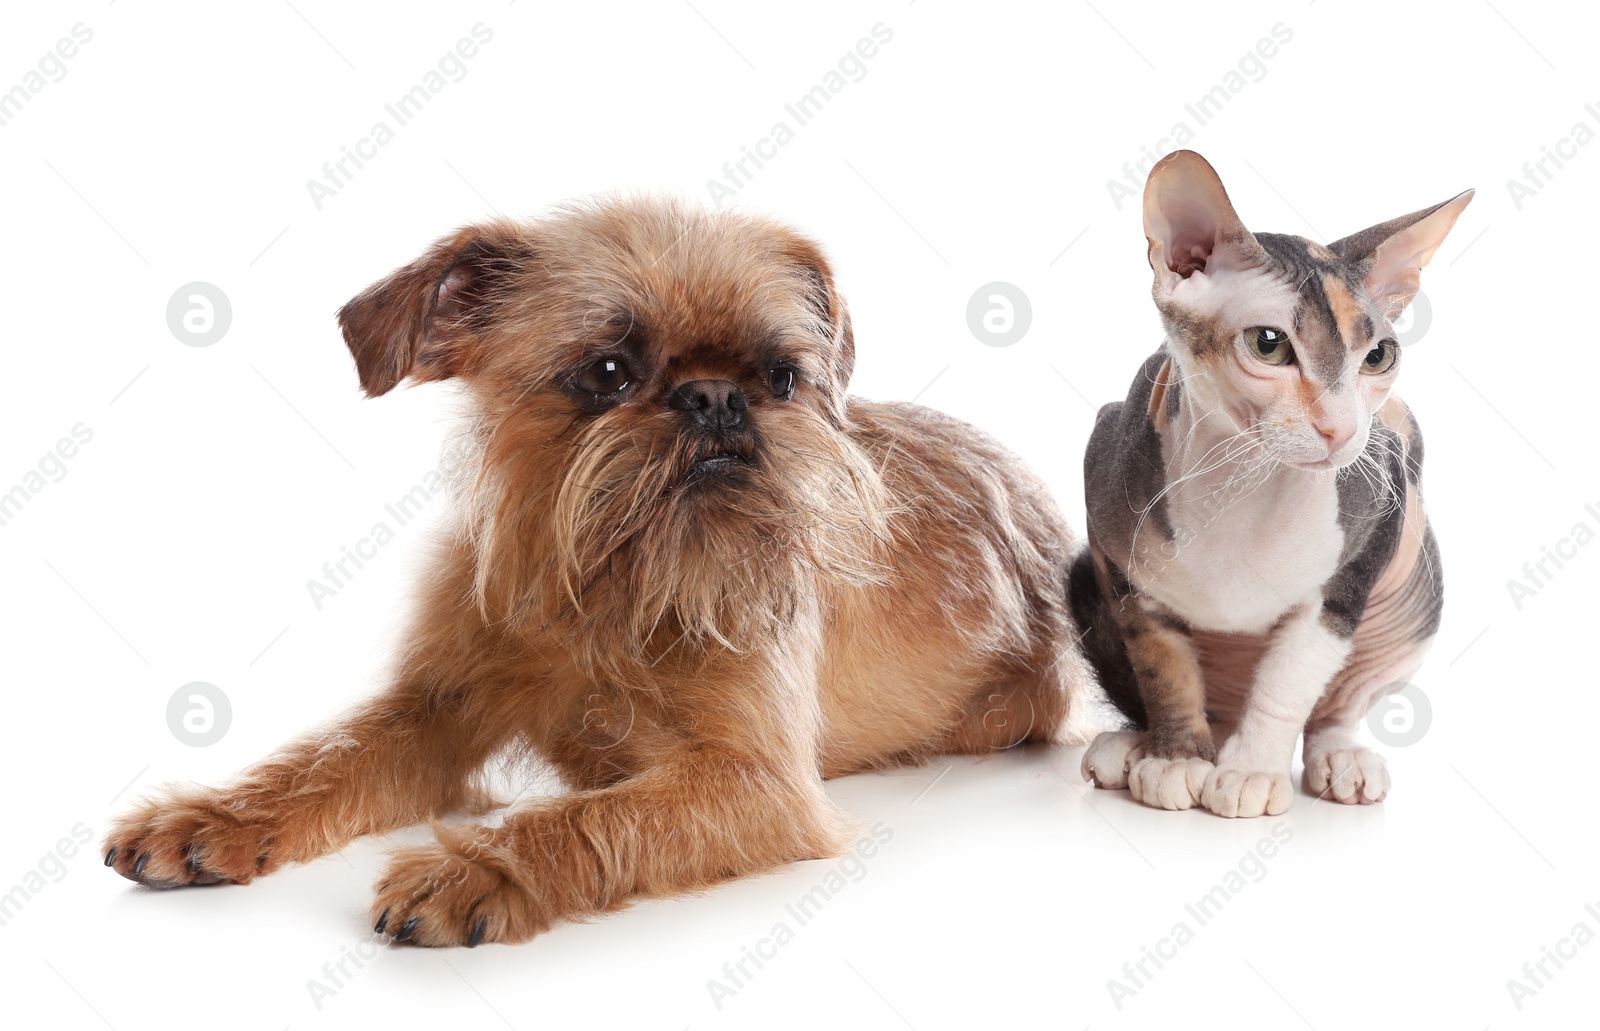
(406, 756)
(738, 792)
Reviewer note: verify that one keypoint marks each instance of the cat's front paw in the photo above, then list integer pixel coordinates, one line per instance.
(1353, 775)
(189, 835)
(1168, 783)
(465, 889)
(1239, 791)
(1182, 741)
(1108, 760)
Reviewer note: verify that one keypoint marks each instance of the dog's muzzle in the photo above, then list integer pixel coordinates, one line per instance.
(717, 413)
(715, 406)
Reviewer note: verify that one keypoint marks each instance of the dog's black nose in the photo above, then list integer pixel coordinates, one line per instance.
(711, 404)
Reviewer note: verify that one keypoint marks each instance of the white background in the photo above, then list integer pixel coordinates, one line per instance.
(977, 148)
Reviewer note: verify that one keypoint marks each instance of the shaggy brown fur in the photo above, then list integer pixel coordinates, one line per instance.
(696, 595)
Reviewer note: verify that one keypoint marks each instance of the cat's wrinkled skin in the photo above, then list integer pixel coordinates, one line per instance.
(1259, 558)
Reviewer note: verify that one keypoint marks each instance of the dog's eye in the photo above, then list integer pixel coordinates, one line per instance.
(606, 376)
(782, 380)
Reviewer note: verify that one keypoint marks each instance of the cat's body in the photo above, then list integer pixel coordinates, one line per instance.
(1260, 562)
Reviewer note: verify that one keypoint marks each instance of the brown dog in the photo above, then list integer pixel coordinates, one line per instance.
(690, 573)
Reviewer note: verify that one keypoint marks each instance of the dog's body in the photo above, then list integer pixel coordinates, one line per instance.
(690, 573)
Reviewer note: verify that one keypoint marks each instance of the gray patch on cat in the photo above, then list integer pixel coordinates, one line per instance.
(1170, 620)
(1124, 467)
(1414, 452)
(1117, 581)
(1292, 258)
(1358, 248)
(1200, 335)
(1430, 568)
(1363, 503)
(1423, 604)
(1372, 516)
(1102, 640)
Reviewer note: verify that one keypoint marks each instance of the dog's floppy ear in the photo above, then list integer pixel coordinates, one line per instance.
(422, 319)
(830, 308)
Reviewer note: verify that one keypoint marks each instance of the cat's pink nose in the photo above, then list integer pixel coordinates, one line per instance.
(1336, 435)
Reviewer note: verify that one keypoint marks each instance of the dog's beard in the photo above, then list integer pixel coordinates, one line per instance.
(626, 539)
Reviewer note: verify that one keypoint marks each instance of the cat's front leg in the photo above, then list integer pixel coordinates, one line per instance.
(1253, 769)
(1339, 766)
(1170, 767)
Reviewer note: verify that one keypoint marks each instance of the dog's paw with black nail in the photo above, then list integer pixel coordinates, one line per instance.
(463, 889)
(189, 836)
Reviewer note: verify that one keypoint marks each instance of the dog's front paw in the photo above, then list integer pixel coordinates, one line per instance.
(1246, 792)
(467, 888)
(189, 835)
(1354, 775)
(1168, 783)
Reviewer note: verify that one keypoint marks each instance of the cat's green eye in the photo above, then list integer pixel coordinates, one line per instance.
(1270, 345)
(1381, 358)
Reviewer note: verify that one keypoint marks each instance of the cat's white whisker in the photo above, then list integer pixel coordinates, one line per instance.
(1196, 469)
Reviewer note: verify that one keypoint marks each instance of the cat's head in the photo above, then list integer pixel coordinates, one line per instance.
(1291, 340)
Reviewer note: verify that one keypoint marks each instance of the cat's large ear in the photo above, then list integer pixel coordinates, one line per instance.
(421, 320)
(1391, 254)
(1190, 224)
